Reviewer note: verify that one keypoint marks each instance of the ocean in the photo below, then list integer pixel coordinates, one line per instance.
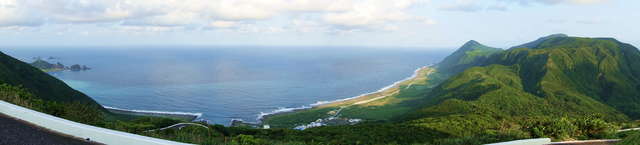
(225, 83)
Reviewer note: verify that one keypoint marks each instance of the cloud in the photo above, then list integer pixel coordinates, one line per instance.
(223, 24)
(159, 14)
(306, 26)
(590, 21)
(175, 18)
(463, 6)
(94, 11)
(430, 22)
(553, 2)
(503, 5)
(475, 6)
(12, 14)
(497, 8)
(371, 12)
(556, 21)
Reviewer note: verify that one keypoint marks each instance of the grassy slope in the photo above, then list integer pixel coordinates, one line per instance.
(25, 85)
(17, 73)
(390, 103)
(560, 77)
(470, 54)
(633, 139)
(400, 100)
(551, 89)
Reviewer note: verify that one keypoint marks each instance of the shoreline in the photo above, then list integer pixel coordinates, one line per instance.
(179, 115)
(262, 116)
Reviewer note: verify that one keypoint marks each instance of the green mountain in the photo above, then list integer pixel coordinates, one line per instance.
(552, 77)
(41, 64)
(468, 55)
(49, 67)
(17, 73)
(25, 85)
(540, 40)
(566, 88)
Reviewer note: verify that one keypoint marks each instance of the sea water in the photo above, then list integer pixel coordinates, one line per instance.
(225, 83)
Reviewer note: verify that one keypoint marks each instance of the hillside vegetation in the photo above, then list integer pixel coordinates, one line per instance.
(557, 77)
(17, 73)
(470, 54)
(562, 87)
(30, 87)
(396, 101)
(565, 88)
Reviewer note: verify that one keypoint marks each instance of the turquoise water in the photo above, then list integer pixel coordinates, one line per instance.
(227, 83)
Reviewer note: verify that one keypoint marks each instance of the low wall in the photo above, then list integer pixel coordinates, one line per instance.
(80, 130)
(539, 141)
(587, 142)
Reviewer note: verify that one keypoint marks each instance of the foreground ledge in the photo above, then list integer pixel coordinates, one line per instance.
(97, 134)
(547, 141)
(539, 141)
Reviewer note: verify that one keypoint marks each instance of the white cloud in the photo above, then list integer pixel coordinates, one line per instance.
(587, 1)
(175, 18)
(223, 24)
(463, 6)
(503, 5)
(371, 12)
(430, 22)
(158, 14)
(142, 29)
(93, 11)
(579, 2)
(12, 14)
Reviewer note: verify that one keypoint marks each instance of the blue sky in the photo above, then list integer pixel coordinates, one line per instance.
(427, 24)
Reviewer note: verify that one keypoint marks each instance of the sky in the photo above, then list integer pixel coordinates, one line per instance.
(425, 24)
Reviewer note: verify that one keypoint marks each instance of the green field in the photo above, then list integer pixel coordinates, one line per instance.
(381, 106)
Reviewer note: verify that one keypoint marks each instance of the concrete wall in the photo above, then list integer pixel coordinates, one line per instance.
(540, 141)
(97, 134)
(587, 142)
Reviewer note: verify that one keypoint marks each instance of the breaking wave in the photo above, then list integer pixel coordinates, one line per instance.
(285, 109)
(197, 115)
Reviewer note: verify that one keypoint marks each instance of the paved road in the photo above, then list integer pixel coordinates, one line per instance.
(17, 132)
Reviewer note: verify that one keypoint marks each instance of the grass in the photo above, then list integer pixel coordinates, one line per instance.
(631, 138)
(470, 54)
(399, 100)
(565, 88)
(553, 85)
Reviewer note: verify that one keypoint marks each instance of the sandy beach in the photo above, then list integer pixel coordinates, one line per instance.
(419, 75)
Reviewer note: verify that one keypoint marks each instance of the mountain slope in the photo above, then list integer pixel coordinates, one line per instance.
(27, 86)
(17, 73)
(552, 78)
(468, 55)
(540, 40)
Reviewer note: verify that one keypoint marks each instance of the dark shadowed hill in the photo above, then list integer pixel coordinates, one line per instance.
(17, 73)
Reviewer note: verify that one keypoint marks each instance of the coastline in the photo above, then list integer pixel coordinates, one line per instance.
(356, 100)
(178, 115)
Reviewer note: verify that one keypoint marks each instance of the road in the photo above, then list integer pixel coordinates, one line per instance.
(18, 132)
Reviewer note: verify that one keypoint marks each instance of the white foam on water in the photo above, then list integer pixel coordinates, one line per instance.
(284, 109)
(198, 115)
